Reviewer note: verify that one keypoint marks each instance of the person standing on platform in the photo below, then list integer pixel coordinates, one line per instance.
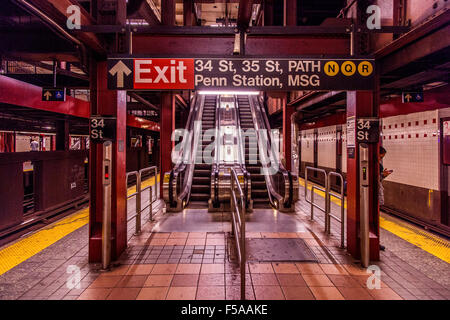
(34, 145)
(384, 173)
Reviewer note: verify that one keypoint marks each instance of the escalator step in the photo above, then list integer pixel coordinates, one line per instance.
(202, 173)
(259, 184)
(258, 194)
(199, 197)
(206, 181)
(201, 189)
(203, 166)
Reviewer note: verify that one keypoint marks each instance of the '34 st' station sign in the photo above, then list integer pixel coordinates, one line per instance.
(240, 73)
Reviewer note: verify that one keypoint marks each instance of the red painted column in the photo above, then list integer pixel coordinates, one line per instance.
(362, 104)
(112, 103)
(288, 111)
(290, 12)
(167, 127)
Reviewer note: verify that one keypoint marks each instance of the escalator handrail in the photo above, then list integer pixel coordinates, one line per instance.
(182, 166)
(186, 192)
(258, 126)
(286, 173)
(241, 151)
(215, 164)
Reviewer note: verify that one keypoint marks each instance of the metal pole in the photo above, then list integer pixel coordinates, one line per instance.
(364, 204)
(150, 207)
(342, 212)
(342, 221)
(352, 40)
(231, 201)
(106, 225)
(306, 183)
(312, 203)
(54, 73)
(327, 205)
(156, 183)
(243, 260)
(138, 203)
(242, 43)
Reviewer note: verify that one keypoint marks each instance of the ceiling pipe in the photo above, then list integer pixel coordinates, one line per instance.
(138, 98)
(63, 33)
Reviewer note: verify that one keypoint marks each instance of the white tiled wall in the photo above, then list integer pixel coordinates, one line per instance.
(23, 143)
(411, 141)
(412, 144)
(326, 152)
(327, 147)
(307, 153)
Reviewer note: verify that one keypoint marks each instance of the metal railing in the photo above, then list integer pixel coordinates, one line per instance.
(238, 223)
(314, 187)
(138, 195)
(341, 197)
(328, 195)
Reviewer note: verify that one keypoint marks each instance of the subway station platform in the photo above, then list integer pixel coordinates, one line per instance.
(250, 150)
(189, 255)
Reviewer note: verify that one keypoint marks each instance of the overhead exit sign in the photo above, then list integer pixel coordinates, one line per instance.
(297, 73)
(53, 94)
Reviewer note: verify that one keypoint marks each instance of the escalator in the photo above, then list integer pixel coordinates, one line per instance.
(271, 184)
(189, 182)
(239, 138)
(201, 182)
(253, 165)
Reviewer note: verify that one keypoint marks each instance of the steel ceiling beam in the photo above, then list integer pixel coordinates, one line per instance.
(438, 40)
(55, 14)
(203, 45)
(22, 94)
(137, 97)
(145, 9)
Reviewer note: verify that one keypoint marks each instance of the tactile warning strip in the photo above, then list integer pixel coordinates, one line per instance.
(427, 241)
(23, 249)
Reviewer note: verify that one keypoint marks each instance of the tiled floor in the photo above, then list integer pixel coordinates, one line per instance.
(198, 265)
(209, 280)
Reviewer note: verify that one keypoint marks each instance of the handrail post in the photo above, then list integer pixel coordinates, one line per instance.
(306, 182)
(327, 205)
(312, 203)
(156, 182)
(342, 212)
(150, 208)
(138, 203)
(243, 260)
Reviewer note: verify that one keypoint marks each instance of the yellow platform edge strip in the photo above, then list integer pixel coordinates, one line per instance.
(23, 249)
(427, 241)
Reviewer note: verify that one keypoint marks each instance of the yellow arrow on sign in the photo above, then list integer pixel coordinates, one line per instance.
(47, 95)
(120, 69)
(408, 97)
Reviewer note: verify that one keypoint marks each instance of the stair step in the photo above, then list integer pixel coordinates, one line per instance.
(202, 166)
(201, 181)
(201, 189)
(258, 194)
(199, 197)
(202, 173)
(259, 184)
